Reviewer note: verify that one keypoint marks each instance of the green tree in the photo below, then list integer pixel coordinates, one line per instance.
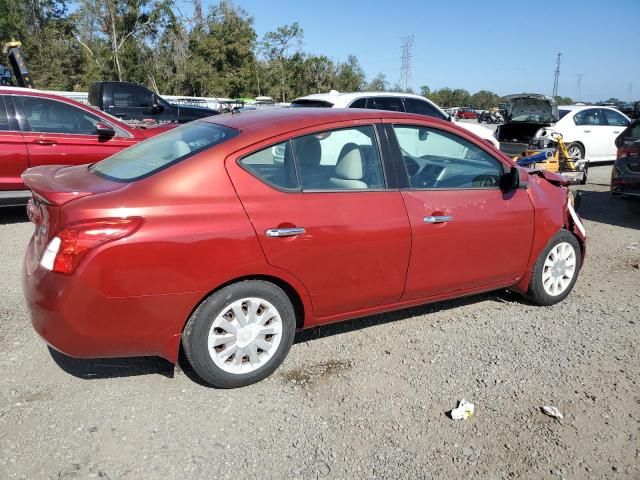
(484, 100)
(349, 76)
(378, 83)
(275, 46)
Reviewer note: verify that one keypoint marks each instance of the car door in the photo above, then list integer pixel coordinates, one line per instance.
(14, 157)
(467, 233)
(57, 132)
(591, 130)
(323, 213)
(616, 123)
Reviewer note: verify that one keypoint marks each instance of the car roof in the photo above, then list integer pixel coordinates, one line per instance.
(343, 99)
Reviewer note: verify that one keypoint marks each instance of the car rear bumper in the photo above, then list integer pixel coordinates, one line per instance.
(624, 181)
(77, 320)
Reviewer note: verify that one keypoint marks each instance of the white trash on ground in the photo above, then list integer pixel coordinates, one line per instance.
(552, 411)
(465, 410)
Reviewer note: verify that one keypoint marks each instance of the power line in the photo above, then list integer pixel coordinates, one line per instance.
(405, 68)
(556, 75)
(579, 84)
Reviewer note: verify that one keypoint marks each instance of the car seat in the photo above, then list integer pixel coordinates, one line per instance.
(349, 169)
(308, 153)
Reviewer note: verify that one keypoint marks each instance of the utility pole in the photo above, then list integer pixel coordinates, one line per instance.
(556, 75)
(579, 85)
(630, 92)
(405, 68)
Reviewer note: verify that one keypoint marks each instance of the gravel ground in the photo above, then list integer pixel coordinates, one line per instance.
(363, 399)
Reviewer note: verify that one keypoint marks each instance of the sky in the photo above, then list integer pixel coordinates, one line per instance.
(502, 46)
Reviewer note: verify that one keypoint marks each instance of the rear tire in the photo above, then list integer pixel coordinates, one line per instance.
(576, 151)
(556, 270)
(240, 334)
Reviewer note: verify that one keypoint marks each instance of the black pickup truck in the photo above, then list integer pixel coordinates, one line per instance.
(134, 103)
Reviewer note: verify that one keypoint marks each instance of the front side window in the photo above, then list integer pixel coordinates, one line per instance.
(162, 151)
(615, 119)
(421, 107)
(51, 116)
(4, 118)
(393, 104)
(438, 159)
(346, 159)
(591, 116)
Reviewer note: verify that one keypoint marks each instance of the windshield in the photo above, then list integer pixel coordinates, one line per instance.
(162, 151)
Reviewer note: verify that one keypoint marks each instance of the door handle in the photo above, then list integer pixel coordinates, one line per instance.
(284, 232)
(43, 141)
(587, 131)
(438, 219)
(616, 131)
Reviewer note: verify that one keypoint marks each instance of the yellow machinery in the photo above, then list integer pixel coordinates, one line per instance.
(555, 158)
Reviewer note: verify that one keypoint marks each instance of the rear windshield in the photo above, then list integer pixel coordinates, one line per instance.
(162, 151)
(312, 103)
(562, 113)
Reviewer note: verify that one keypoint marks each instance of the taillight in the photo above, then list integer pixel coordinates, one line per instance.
(66, 250)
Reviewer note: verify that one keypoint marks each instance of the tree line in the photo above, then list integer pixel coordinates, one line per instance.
(71, 43)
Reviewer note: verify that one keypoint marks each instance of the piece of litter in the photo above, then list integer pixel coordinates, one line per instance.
(552, 411)
(465, 410)
(632, 245)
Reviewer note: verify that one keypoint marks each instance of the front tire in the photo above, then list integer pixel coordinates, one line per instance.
(556, 270)
(240, 334)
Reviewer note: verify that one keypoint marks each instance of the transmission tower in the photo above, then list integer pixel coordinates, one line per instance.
(405, 68)
(556, 75)
(579, 84)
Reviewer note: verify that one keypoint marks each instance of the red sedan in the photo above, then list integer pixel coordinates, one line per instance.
(38, 128)
(226, 235)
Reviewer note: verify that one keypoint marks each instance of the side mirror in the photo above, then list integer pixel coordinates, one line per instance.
(510, 180)
(423, 134)
(104, 131)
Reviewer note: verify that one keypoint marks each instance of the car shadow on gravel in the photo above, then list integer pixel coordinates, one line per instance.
(10, 215)
(102, 368)
(501, 296)
(604, 208)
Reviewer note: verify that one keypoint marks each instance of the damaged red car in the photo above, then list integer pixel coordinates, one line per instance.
(226, 235)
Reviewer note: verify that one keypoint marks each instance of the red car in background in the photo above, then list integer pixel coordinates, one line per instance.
(227, 234)
(38, 128)
(466, 113)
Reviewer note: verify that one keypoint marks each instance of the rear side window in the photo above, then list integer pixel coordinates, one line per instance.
(421, 107)
(344, 159)
(393, 104)
(4, 118)
(273, 165)
(615, 119)
(591, 116)
(162, 151)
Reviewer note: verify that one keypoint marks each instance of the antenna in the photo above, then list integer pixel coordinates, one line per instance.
(405, 69)
(579, 84)
(556, 75)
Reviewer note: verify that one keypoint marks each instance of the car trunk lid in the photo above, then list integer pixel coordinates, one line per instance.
(531, 108)
(52, 187)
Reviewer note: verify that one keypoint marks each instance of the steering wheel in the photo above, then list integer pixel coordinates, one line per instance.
(485, 181)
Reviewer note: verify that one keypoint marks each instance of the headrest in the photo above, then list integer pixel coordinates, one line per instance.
(349, 164)
(308, 151)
